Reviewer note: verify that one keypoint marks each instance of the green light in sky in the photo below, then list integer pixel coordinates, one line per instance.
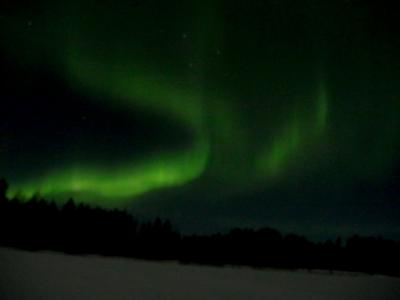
(97, 184)
(296, 137)
(126, 78)
(251, 115)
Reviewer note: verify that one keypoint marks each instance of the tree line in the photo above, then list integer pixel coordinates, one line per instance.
(79, 229)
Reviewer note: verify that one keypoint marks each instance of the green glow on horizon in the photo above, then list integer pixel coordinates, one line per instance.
(250, 119)
(130, 181)
(127, 79)
(126, 83)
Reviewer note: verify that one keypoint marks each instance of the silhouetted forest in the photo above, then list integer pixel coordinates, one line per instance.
(80, 229)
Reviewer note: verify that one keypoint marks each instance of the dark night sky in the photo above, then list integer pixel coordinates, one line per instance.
(212, 113)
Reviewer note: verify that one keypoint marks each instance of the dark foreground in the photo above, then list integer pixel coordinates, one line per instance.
(40, 225)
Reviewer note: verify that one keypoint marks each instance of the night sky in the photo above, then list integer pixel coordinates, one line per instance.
(212, 113)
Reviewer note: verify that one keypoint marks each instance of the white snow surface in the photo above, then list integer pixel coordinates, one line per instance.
(45, 275)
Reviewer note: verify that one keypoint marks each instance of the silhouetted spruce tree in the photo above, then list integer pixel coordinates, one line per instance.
(3, 190)
(38, 224)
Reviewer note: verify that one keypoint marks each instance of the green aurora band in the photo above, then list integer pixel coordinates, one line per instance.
(88, 47)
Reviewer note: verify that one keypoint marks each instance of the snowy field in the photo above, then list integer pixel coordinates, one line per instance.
(34, 276)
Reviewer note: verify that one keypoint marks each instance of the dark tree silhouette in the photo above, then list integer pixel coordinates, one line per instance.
(3, 189)
(78, 229)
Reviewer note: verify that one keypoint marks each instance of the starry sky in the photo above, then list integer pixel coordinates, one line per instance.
(212, 113)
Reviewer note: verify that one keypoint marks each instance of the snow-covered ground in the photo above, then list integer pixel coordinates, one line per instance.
(34, 276)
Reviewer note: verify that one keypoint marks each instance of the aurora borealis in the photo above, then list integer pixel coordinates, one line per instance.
(268, 112)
